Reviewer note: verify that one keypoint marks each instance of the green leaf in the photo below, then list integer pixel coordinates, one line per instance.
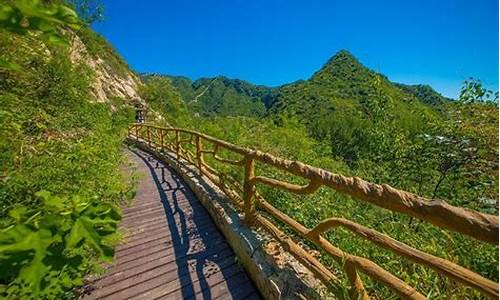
(9, 65)
(24, 238)
(18, 213)
(85, 230)
(51, 202)
(6, 12)
(56, 39)
(24, 15)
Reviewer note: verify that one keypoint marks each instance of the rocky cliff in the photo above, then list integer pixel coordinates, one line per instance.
(108, 81)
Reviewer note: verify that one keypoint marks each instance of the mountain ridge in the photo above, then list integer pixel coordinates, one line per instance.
(343, 63)
(220, 95)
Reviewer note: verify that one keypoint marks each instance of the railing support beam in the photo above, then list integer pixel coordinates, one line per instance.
(178, 145)
(199, 153)
(249, 192)
(357, 290)
(161, 140)
(148, 131)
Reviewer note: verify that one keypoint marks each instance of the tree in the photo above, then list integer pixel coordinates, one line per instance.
(89, 11)
(23, 16)
(473, 91)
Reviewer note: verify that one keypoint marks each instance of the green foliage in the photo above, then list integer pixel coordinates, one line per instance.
(344, 85)
(161, 96)
(221, 96)
(426, 94)
(473, 91)
(59, 170)
(182, 84)
(409, 137)
(90, 11)
(23, 16)
(38, 242)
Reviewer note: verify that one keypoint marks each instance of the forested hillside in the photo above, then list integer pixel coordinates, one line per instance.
(223, 96)
(425, 93)
(344, 91)
(378, 128)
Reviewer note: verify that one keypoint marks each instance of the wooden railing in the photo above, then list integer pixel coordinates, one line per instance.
(257, 210)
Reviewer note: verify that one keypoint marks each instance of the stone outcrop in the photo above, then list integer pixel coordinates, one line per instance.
(107, 84)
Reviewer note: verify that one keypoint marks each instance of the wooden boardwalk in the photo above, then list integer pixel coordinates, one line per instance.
(172, 250)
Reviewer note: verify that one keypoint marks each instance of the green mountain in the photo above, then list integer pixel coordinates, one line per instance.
(223, 96)
(344, 90)
(343, 86)
(425, 93)
(344, 104)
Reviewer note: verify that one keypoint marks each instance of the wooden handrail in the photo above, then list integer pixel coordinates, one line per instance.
(480, 226)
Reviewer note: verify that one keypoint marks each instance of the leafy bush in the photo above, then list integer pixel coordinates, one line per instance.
(44, 250)
(163, 98)
(60, 176)
(23, 16)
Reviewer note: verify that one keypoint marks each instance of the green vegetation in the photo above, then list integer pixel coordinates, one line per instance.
(345, 91)
(161, 96)
(24, 16)
(60, 152)
(352, 121)
(221, 96)
(89, 11)
(53, 242)
(60, 158)
(425, 93)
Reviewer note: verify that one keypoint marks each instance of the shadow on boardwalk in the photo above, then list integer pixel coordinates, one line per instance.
(206, 267)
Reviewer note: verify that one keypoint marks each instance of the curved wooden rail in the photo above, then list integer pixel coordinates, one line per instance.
(480, 226)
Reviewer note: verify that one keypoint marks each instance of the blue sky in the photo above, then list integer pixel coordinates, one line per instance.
(273, 42)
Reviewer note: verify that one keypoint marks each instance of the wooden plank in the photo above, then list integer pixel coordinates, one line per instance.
(146, 271)
(162, 232)
(222, 289)
(166, 241)
(172, 249)
(162, 284)
(158, 255)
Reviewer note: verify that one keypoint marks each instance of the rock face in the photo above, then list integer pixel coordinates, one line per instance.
(107, 84)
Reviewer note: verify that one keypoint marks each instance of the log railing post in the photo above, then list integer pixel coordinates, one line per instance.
(148, 135)
(161, 139)
(249, 191)
(178, 145)
(137, 132)
(357, 290)
(199, 153)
